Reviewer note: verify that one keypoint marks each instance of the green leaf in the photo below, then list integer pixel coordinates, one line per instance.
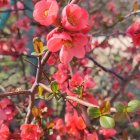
(117, 57)
(38, 45)
(94, 112)
(54, 87)
(78, 90)
(105, 108)
(119, 106)
(107, 122)
(133, 106)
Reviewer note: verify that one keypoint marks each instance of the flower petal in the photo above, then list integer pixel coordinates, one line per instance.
(65, 55)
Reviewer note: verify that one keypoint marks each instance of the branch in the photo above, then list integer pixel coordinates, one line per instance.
(132, 13)
(45, 58)
(67, 97)
(39, 72)
(26, 92)
(106, 69)
(74, 1)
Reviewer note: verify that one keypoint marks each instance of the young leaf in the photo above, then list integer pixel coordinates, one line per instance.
(40, 90)
(105, 108)
(36, 112)
(78, 90)
(135, 5)
(38, 45)
(119, 106)
(54, 87)
(133, 106)
(107, 122)
(94, 112)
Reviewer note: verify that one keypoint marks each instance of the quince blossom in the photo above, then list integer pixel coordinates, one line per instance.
(4, 132)
(45, 12)
(70, 44)
(134, 32)
(30, 132)
(74, 18)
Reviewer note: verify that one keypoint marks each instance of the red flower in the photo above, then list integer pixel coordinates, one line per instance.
(108, 132)
(68, 44)
(74, 18)
(30, 132)
(45, 12)
(74, 124)
(134, 32)
(4, 132)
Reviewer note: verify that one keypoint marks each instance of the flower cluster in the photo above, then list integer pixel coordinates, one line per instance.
(7, 110)
(70, 35)
(30, 132)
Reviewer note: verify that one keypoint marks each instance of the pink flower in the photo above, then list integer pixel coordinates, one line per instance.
(60, 77)
(18, 45)
(90, 98)
(7, 110)
(45, 12)
(76, 80)
(23, 23)
(74, 18)
(134, 32)
(89, 82)
(30, 132)
(79, 79)
(136, 124)
(4, 132)
(70, 44)
(62, 73)
(53, 59)
(59, 126)
(111, 6)
(74, 124)
(108, 132)
(90, 136)
(5, 102)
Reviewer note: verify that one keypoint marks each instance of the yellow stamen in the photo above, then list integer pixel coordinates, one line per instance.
(46, 13)
(72, 20)
(67, 43)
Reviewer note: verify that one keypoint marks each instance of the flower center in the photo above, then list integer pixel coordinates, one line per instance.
(46, 12)
(67, 43)
(72, 20)
(29, 130)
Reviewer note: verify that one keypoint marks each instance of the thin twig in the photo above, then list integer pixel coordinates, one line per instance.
(74, 1)
(106, 69)
(25, 92)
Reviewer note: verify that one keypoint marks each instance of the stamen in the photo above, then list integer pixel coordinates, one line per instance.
(46, 13)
